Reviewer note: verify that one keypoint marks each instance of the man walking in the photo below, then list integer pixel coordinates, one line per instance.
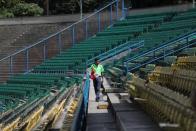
(97, 76)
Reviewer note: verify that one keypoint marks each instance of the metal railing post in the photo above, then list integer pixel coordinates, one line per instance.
(116, 9)
(86, 63)
(127, 68)
(11, 66)
(73, 35)
(86, 28)
(99, 23)
(59, 41)
(45, 50)
(164, 53)
(110, 14)
(1, 75)
(27, 60)
(123, 7)
(153, 54)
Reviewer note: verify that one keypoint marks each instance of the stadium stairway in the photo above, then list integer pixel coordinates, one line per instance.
(32, 91)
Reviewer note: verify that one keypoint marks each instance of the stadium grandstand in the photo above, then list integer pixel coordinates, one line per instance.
(149, 82)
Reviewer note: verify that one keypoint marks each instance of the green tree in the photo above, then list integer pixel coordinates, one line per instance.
(27, 9)
(9, 3)
(11, 8)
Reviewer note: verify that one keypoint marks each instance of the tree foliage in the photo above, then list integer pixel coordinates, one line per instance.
(27, 9)
(11, 8)
(9, 3)
(6, 13)
(20, 8)
(154, 3)
(73, 6)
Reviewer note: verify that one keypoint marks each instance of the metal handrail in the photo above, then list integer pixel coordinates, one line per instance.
(164, 45)
(159, 57)
(119, 48)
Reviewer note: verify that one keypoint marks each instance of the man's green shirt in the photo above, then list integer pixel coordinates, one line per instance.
(98, 69)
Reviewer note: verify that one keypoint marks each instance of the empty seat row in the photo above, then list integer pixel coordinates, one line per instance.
(165, 105)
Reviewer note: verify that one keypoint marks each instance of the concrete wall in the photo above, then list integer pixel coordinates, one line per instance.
(182, 7)
(41, 20)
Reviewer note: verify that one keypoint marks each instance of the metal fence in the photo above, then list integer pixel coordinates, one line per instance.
(79, 122)
(24, 60)
(183, 41)
(127, 46)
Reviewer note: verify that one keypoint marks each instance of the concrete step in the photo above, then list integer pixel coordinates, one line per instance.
(101, 122)
(103, 105)
(100, 117)
(124, 96)
(128, 115)
(114, 90)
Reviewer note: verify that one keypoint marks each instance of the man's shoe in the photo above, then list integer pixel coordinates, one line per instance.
(97, 99)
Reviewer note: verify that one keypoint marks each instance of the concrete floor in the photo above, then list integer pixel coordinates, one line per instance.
(129, 116)
(99, 119)
(122, 114)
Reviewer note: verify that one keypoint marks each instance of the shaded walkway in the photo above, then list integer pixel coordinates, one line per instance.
(99, 119)
(122, 114)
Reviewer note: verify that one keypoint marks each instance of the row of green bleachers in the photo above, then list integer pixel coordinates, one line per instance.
(108, 39)
(165, 32)
(29, 87)
(180, 24)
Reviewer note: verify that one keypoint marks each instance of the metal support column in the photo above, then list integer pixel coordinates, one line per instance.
(59, 41)
(123, 9)
(73, 35)
(27, 61)
(86, 28)
(11, 66)
(110, 14)
(127, 68)
(164, 53)
(99, 22)
(116, 9)
(187, 41)
(1, 75)
(44, 51)
(86, 63)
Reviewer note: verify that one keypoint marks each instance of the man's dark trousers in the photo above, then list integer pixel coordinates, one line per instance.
(97, 85)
